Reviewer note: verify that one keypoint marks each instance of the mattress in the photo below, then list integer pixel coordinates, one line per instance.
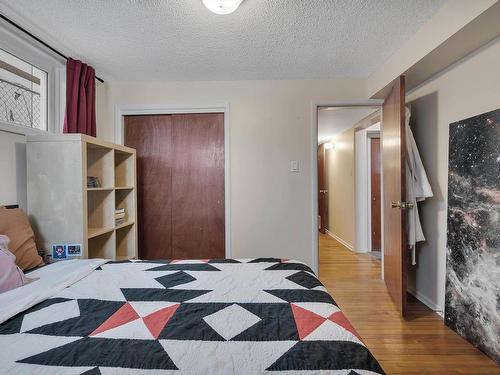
(231, 316)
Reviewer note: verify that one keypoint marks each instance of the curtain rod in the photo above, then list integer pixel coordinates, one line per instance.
(39, 40)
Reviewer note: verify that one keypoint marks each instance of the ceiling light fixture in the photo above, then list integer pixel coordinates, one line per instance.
(222, 6)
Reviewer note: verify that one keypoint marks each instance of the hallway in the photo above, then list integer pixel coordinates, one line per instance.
(420, 345)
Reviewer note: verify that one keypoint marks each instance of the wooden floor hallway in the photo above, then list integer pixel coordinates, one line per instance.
(419, 345)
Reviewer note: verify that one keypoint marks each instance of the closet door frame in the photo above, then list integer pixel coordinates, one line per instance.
(125, 110)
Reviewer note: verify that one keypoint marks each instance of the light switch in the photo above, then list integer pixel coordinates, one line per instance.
(294, 166)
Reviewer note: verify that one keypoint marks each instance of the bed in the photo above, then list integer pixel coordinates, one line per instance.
(231, 316)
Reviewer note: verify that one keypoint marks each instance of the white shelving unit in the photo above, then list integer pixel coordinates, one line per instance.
(64, 210)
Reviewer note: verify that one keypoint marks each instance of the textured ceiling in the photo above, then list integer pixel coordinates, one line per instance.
(332, 122)
(149, 40)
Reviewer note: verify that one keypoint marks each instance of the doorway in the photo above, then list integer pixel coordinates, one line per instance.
(343, 173)
(182, 182)
(393, 189)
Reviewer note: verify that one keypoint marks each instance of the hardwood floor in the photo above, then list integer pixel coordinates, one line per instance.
(419, 345)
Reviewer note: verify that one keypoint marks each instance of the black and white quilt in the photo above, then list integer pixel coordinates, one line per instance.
(242, 316)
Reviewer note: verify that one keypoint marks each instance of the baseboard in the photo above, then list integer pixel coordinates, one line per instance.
(335, 237)
(427, 302)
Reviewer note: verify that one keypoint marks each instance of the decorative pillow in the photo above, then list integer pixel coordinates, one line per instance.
(14, 224)
(11, 276)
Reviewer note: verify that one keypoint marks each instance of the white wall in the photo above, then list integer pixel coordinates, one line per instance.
(348, 185)
(452, 17)
(270, 125)
(469, 88)
(101, 105)
(362, 181)
(340, 165)
(13, 169)
(361, 188)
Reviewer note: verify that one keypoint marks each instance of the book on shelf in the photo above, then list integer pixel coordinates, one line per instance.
(120, 216)
(119, 221)
(119, 213)
(93, 182)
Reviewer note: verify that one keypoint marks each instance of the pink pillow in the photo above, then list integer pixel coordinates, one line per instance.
(11, 276)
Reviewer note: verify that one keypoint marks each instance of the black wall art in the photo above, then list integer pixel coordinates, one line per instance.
(472, 305)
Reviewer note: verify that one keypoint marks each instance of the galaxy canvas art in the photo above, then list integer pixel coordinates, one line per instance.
(473, 248)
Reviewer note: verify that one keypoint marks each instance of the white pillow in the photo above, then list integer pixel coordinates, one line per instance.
(11, 276)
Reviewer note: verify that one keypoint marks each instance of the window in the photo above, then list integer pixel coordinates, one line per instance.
(23, 93)
(32, 85)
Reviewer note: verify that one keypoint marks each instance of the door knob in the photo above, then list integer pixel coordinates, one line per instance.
(402, 205)
(395, 204)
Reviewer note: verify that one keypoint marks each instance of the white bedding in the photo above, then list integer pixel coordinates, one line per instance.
(52, 279)
(196, 317)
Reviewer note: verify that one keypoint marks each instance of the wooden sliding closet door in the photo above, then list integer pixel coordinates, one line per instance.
(150, 136)
(198, 186)
(180, 162)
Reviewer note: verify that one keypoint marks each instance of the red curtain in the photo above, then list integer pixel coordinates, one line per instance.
(80, 98)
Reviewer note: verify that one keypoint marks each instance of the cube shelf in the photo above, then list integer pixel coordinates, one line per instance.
(65, 210)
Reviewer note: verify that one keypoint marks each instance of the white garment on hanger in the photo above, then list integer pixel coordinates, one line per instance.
(417, 189)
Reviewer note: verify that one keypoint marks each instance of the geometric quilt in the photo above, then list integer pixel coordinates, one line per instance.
(231, 316)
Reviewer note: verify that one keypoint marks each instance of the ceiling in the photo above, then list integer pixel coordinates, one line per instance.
(333, 121)
(151, 40)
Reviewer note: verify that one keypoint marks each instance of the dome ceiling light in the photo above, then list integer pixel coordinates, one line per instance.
(222, 6)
